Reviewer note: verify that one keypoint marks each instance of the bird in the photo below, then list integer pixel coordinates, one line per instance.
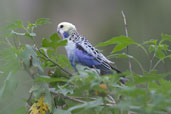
(80, 50)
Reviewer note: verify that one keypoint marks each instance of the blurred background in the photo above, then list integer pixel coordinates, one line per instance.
(97, 20)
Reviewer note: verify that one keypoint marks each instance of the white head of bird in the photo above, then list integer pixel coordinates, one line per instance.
(65, 29)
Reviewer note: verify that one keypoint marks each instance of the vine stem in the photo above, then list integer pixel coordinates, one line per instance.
(126, 33)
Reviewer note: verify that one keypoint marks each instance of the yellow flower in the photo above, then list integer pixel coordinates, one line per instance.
(39, 107)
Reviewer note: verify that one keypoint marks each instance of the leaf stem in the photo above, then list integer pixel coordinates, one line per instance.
(49, 59)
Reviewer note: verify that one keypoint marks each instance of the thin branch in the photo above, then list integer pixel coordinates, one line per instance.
(156, 64)
(68, 97)
(151, 61)
(126, 26)
(126, 33)
(77, 99)
(69, 73)
(91, 98)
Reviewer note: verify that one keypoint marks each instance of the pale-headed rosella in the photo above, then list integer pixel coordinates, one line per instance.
(80, 51)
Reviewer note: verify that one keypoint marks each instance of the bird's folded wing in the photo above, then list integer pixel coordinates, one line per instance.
(87, 59)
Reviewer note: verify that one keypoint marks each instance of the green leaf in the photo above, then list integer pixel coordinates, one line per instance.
(49, 100)
(163, 47)
(54, 37)
(39, 89)
(148, 77)
(152, 48)
(61, 43)
(160, 54)
(121, 43)
(15, 25)
(119, 47)
(63, 61)
(150, 42)
(87, 105)
(29, 35)
(29, 58)
(165, 37)
(49, 79)
(117, 40)
(46, 42)
(42, 21)
(164, 87)
(53, 44)
(65, 91)
(60, 111)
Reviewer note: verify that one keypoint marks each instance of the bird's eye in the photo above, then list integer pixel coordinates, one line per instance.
(61, 26)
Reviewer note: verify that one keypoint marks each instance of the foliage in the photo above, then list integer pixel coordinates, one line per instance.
(63, 92)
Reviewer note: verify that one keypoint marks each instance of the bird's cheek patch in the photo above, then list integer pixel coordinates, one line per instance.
(65, 34)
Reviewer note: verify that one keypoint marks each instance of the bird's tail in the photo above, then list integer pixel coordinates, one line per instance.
(123, 79)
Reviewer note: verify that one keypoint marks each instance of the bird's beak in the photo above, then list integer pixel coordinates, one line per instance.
(58, 30)
(59, 33)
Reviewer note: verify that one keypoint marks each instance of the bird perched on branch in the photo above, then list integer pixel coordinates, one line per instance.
(81, 52)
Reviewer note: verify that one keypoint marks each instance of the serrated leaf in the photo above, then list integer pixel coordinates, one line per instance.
(54, 37)
(121, 43)
(117, 40)
(60, 111)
